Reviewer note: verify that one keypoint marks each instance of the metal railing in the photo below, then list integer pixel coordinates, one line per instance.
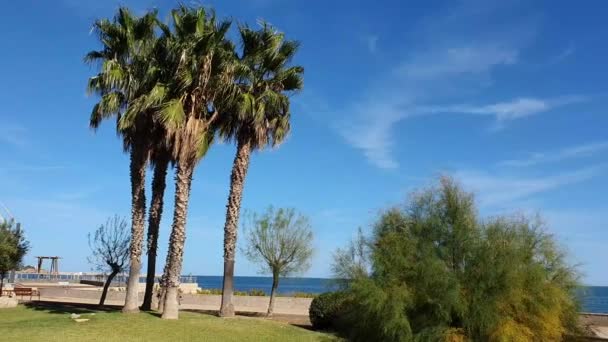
(77, 277)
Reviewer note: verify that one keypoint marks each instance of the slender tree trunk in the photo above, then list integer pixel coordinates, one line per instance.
(106, 286)
(237, 182)
(275, 284)
(183, 180)
(156, 211)
(1, 284)
(138, 212)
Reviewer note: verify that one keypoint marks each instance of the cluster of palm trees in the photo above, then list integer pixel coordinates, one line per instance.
(173, 89)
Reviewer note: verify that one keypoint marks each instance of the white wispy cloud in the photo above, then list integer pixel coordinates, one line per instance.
(580, 151)
(562, 56)
(495, 190)
(443, 64)
(509, 110)
(371, 132)
(435, 64)
(417, 80)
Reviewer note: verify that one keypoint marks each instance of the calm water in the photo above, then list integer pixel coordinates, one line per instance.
(594, 298)
(286, 285)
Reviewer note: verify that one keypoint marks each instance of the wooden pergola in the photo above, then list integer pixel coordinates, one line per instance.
(54, 264)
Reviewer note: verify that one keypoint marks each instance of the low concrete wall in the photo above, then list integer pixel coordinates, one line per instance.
(251, 303)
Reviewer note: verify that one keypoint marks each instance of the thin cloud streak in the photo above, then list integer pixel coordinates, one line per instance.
(504, 190)
(457, 61)
(370, 130)
(510, 110)
(444, 63)
(580, 151)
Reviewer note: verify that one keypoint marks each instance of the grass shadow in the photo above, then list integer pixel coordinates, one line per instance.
(298, 321)
(67, 308)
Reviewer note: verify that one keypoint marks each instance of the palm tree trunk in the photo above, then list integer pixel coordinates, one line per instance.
(163, 286)
(138, 212)
(183, 180)
(275, 284)
(156, 211)
(107, 285)
(237, 182)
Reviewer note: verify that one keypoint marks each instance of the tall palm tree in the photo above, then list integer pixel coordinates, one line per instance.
(160, 158)
(260, 118)
(126, 74)
(201, 59)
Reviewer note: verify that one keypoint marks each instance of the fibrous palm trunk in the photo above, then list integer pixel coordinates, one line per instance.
(237, 182)
(156, 211)
(275, 284)
(163, 288)
(138, 213)
(183, 180)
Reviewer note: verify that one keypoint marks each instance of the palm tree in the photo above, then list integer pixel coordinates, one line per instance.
(160, 158)
(261, 118)
(201, 60)
(126, 74)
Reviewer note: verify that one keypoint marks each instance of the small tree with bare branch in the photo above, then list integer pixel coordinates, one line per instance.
(110, 249)
(280, 241)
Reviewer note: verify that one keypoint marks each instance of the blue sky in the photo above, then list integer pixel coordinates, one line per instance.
(507, 96)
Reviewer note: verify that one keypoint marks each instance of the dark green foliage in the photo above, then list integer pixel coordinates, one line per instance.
(256, 292)
(13, 247)
(439, 273)
(325, 310)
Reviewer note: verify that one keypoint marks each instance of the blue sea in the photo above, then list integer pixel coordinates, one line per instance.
(286, 285)
(594, 298)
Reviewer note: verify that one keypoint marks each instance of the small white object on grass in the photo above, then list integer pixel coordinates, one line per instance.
(74, 316)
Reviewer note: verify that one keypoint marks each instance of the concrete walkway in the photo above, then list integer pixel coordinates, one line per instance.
(247, 304)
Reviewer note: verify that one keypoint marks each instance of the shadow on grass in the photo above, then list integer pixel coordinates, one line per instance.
(66, 308)
(295, 320)
(56, 307)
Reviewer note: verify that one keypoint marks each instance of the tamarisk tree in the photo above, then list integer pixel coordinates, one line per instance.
(280, 241)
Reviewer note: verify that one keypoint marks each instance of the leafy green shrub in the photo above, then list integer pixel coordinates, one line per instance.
(256, 292)
(302, 295)
(209, 291)
(440, 273)
(326, 309)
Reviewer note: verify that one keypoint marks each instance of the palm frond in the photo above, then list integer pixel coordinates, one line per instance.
(172, 114)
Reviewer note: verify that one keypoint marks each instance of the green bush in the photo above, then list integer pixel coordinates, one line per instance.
(439, 272)
(209, 291)
(256, 292)
(326, 309)
(302, 295)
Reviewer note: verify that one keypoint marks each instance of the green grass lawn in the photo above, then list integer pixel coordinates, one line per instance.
(53, 323)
